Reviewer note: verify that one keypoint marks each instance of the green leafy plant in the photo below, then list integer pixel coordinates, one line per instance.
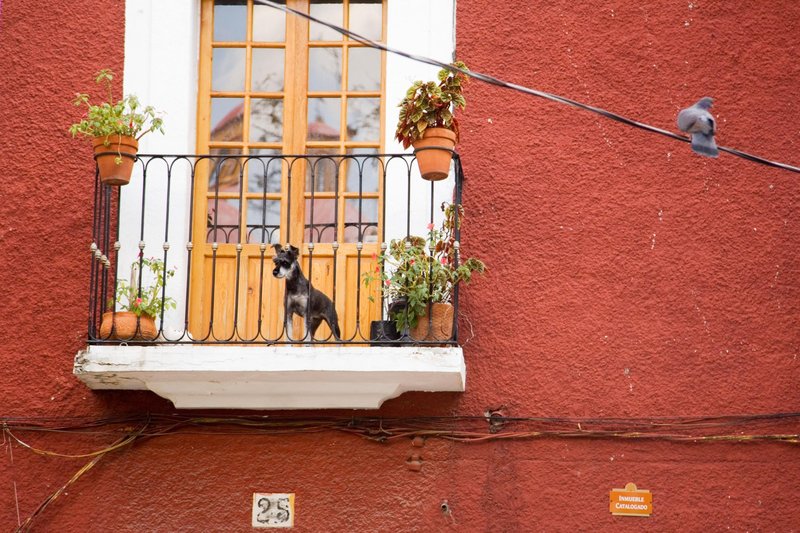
(125, 117)
(420, 270)
(431, 105)
(145, 300)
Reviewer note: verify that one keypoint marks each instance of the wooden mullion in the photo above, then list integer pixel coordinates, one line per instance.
(342, 181)
(297, 104)
(228, 44)
(200, 200)
(231, 94)
(274, 45)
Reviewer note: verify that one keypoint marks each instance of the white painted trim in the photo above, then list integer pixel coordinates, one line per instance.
(273, 377)
(426, 28)
(162, 43)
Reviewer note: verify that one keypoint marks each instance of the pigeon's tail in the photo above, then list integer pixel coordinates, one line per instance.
(704, 145)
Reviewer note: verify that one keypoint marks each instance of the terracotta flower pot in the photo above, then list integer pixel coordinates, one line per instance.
(434, 163)
(438, 328)
(125, 326)
(119, 147)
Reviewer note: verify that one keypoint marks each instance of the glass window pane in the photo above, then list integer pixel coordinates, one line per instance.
(263, 221)
(269, 24)
(323, 228)
(322, 173)
(364, 119)
(366, 18)
(230, 20)
(364, 167)
(364, 69)
(227, 69)
(227, 115)
(264, 172)
(361, 220)
(330, 11)
(325, 69)
(266, 120)
(224, 170)
(267, 74)
(323, 119)
(222, 220)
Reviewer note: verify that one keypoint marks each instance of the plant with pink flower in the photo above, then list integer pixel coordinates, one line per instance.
(420, 270)
(144, 299)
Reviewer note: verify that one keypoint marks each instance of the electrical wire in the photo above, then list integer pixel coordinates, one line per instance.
(468, 429)
(520, 88)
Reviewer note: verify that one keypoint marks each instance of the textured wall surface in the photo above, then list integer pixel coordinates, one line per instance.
(628, 278)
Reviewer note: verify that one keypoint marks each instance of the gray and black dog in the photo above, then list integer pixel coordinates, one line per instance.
(298, 290)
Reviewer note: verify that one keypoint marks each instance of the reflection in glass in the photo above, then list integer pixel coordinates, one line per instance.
(323, 228)
(325, 69)
(323, 119)
(227, 115)
(267, 74)
(230, 20)
(263, 221)
(224, 172)
(227, 69)
(269, 24)
(322, 173)
(264, 173)
(330, 11)
(266, 120)
(361, 220)
(363, 119)
(364, 69)
(366, 18)
(366, 166)
(222, 220)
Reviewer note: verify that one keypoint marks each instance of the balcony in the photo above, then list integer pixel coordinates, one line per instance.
(213, 224)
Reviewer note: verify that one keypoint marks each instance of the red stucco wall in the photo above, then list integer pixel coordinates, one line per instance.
(629, 278)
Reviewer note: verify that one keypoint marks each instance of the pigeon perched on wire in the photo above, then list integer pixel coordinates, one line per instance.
(699, 123)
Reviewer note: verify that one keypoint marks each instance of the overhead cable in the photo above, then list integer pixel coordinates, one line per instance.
(520, 88)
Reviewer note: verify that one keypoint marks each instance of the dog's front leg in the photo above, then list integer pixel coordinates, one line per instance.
(289, 327)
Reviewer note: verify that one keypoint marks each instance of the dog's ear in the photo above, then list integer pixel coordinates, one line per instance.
(277, 248)
(293, 251)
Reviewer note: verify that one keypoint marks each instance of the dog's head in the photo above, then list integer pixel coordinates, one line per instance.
(285, 260)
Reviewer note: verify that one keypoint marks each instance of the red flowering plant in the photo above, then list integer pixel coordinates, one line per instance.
(431, 105)
(148, 299)
(126, 117)
(419, 271)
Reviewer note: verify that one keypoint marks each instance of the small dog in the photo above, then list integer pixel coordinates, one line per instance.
(298, 290)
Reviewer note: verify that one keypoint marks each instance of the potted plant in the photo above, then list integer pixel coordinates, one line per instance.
(136, 307)
(427, 123)
(422, 274)
(115, 128)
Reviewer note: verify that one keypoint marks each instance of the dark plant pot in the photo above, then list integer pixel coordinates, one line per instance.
(382, 332)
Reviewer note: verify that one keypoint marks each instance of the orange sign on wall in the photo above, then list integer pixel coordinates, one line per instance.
(630, 501)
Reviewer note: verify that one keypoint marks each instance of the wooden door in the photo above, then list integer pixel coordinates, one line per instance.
(272, 84)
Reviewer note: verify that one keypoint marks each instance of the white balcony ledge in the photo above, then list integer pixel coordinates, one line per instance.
(272, 377)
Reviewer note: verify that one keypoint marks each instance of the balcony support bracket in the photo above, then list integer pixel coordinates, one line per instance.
(273, 377)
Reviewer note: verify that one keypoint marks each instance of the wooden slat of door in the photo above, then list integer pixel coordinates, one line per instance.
(263, 298)
(221, 275)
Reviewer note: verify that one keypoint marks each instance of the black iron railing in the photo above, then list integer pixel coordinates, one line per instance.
(340, 211)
